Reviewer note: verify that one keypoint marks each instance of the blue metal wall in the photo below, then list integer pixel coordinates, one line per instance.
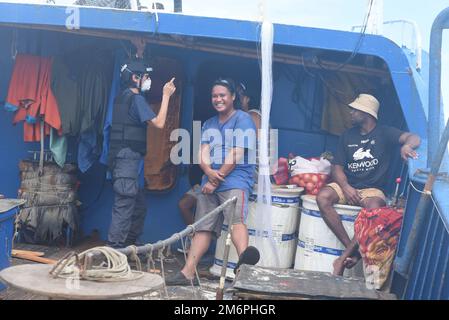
(429, 272)
(12, 147)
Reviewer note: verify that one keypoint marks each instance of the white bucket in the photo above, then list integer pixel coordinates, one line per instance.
(318, 247)
(284, 221)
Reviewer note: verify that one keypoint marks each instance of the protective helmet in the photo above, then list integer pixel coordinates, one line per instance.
(135, 67)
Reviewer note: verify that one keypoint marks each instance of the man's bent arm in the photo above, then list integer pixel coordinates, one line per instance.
(410, 139)
(204, 156)
(339, 176)
(233, 157)
(167, 91)
(409, 143)
(351, 194)
(159, 121)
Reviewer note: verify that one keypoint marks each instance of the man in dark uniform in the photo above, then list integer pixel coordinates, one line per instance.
(131, 116)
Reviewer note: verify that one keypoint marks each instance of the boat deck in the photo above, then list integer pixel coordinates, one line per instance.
(252, 282)
(172, 263)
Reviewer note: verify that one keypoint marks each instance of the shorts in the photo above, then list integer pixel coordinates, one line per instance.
(208, 202)
(194, 191)
(364, 193)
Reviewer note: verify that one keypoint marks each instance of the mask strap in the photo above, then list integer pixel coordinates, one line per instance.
(140, 82)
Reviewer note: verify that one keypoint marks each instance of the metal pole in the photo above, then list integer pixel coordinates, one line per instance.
(175, 237)
(436, 147)
(224, 267)
(177, 5)
(440, 23)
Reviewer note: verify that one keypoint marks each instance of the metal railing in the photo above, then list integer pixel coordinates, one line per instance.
(416, 38)
(428, 277)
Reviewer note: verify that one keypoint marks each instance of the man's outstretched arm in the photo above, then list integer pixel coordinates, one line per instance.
(409, 142)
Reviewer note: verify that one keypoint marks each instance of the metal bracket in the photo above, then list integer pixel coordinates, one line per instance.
(60, 265)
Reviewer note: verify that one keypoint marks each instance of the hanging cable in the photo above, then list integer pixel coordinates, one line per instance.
(431, 197)
(14, 44)
(162, 257)
(356, 48)
(264, 209)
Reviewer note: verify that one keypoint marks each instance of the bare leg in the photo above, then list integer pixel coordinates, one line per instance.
(186, 205)
(373, 203)
(239, 237)
(348, 259)
(200, 244)
(351, 256)
(326, 199)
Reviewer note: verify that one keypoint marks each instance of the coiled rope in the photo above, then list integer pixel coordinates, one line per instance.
(115, 267)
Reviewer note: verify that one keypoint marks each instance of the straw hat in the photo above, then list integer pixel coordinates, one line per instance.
(366, 103)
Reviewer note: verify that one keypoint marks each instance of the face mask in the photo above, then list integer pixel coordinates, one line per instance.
(146, 85)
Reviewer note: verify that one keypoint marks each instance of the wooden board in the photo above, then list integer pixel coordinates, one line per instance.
(295, 284)
(35, 279)
(27, 252)
(31, 257)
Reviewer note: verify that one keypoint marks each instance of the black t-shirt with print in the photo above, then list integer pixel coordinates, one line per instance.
(366, 158)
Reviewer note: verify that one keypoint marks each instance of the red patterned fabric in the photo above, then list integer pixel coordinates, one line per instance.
(377, 233)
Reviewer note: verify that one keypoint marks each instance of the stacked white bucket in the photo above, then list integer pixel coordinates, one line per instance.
(284, 221)
(318, 247)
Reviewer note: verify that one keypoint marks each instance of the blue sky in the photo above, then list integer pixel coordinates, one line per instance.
(334, 14)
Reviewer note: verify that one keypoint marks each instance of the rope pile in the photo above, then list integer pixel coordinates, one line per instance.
(114, 267)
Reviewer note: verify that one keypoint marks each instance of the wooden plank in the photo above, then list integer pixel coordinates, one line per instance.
(306, 284)
(33, 258)
(241, 295)
(210, 47)
(27, 252)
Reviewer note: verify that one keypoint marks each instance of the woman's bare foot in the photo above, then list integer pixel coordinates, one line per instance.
(339, 266)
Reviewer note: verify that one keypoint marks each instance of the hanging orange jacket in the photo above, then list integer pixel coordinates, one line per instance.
(30, 96)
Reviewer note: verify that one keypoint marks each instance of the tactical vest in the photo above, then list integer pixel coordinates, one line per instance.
(125, 133)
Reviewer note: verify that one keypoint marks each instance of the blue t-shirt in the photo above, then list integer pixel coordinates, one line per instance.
(140, 111)
(238, 131)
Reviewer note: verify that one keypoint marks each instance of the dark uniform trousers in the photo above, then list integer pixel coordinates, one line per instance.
(130, 206)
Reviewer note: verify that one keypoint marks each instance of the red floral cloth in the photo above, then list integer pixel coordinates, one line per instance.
(377, 233)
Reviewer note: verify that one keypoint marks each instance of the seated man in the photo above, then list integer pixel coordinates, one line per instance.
(248, 102)
(187, 204)
(359, 170)
(226, 162)
(246, 99)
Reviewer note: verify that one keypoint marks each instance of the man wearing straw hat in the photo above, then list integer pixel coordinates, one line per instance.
(360, 166)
